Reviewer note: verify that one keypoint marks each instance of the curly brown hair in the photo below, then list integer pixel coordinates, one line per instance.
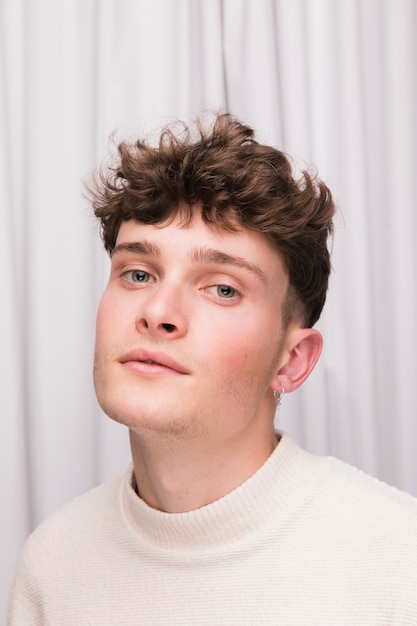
(236, 183)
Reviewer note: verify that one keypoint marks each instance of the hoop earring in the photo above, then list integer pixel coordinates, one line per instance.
(279, 397)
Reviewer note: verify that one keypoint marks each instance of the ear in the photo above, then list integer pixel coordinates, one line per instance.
(301, 352)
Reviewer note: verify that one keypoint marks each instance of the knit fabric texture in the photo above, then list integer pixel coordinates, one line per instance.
(306, 540)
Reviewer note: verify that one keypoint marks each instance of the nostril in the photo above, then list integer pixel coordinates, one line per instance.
(168, 327)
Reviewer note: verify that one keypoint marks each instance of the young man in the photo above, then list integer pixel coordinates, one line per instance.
(219, 270)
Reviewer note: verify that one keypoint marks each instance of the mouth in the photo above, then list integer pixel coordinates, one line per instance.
(152, 363)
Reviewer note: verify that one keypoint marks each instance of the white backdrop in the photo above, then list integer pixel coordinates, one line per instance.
(332, 82)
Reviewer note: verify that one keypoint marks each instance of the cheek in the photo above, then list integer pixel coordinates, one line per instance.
(102, 320)
(244, 353)
(109, 321)
(111, 310)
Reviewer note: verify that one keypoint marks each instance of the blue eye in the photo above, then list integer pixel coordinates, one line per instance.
(224, 291)
(139, 276)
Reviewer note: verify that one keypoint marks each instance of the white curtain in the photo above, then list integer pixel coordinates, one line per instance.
(332, 82)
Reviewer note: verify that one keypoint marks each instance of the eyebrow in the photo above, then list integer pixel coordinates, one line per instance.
(147, 248)
(218, 257)
(198, 255)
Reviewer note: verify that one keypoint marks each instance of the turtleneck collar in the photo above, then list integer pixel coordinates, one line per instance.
(279, 485)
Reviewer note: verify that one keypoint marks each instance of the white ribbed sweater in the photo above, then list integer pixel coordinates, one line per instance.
(306, 540)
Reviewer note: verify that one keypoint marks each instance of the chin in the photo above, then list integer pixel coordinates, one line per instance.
(151, 421)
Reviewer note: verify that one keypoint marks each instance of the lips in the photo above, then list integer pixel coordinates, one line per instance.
(152, 363)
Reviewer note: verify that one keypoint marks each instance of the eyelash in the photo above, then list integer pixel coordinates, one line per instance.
(127, 276)
(223, 298)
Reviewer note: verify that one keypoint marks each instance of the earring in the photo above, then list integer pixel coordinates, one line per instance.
(279, 396)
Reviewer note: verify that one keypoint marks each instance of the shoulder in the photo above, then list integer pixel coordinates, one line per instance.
(373, 517)
(61, 547)
(79, 522)
(101, 502)
(344, 489)
(358, 537)
(356, 488)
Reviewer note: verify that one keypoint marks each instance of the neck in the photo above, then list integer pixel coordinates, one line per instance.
(176, 475)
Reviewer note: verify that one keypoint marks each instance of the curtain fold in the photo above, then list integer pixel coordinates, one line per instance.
(333, 83)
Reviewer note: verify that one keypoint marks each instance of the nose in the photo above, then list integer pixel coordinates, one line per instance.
(163, 314)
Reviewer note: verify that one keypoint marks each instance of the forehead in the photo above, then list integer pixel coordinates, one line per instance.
(185, 240)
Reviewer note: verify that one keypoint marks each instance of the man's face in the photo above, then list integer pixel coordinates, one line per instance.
(189, 333)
